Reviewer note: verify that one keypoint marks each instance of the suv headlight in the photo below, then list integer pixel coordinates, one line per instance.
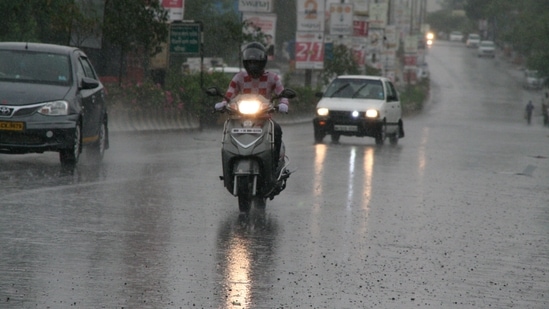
(323, 111)
(372, 113)
(55, 108)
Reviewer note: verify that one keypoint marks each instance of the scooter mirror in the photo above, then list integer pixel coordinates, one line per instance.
(214, 92)
(288, 93)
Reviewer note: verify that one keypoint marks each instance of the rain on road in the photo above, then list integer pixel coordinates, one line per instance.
(455, 216)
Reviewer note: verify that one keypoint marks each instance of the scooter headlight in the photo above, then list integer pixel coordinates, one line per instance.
(249, 107)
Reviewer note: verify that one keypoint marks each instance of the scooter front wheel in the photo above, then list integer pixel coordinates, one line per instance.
(244, 193)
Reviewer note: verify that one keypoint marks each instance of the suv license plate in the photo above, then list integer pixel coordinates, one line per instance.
(345, 128)
(12, 126)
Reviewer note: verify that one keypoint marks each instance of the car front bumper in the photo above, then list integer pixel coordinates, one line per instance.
(37, 134)
(348, 126)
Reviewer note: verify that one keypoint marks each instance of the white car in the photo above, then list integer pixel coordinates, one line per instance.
(486, 49)
(456, 36)
(473, 40)
(359, 105)
(532, 80)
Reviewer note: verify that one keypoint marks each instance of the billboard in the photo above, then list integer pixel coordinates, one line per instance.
(174, 8)
(310, 15)
(265, 6)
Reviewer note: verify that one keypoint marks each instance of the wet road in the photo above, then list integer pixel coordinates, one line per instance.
(455, 216)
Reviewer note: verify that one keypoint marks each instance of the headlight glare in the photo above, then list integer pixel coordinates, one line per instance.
(55, 108)
(249, 107)
(322, 111)
(372, 113)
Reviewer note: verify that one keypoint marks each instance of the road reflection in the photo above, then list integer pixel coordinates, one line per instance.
(246, 246)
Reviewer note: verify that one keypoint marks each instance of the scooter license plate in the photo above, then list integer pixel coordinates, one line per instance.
(246, 131)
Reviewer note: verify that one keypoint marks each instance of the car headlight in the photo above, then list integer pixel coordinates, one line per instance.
(249, 107)
(55, 108)
(372, 113)
(323, 111)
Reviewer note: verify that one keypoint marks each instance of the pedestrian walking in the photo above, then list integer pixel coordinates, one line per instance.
(528, 111)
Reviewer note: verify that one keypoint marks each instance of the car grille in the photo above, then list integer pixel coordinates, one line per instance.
(9, 111)
(344, 115)
(26, 111)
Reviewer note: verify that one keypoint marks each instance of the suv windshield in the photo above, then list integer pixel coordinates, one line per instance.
(355, 88)
(34, 67)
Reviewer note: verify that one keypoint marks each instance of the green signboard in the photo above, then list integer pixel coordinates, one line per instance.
(185, 38)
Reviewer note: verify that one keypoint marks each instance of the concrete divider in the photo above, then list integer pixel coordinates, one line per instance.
(139, 121)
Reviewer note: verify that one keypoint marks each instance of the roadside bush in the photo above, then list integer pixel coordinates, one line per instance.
(186, 94)
(142, 96)
(412, 97)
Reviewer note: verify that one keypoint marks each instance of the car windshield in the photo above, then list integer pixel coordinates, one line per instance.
(487, 44)
(34, 67)
(473, 37)
(357, 88)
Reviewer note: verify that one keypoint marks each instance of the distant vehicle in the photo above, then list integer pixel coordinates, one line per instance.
(532, 80)
(473, 40)
(486, 49)
(229, 71)
(423, 71)
(456, 36)
(52, 100)
(359, 105)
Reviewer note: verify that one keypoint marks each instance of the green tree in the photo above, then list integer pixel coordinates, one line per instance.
(135, 26)
(38, 21)
(341, 62)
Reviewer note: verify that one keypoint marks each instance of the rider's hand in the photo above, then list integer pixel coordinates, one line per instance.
(219, 106)
(283, 108)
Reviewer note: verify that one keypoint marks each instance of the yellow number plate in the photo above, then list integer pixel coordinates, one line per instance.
(12, 126)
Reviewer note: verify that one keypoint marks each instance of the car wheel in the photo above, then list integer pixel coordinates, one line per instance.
(335, 137)
(96, 151)
(381, 134)
(393, 139)
(319, 135)
(70, 156)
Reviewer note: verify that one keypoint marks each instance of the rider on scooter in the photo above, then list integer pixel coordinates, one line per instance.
(255, 80)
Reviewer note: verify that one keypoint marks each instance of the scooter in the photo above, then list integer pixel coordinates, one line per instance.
(252, 170)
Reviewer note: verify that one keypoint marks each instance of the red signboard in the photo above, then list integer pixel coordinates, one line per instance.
(360, 28)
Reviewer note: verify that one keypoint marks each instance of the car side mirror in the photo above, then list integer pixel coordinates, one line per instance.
(88, 83)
